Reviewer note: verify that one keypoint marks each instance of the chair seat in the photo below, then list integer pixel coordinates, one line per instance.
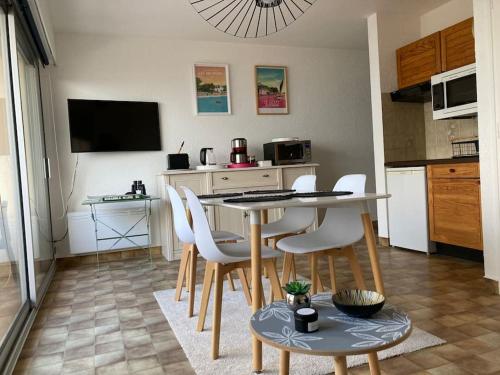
(279, 228)
(240, 252)
(312, 242)
(221, 236)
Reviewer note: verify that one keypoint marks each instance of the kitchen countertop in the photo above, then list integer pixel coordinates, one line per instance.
(421, 163)
(188, 171)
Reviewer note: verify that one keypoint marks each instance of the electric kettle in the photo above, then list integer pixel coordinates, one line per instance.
(207, 156)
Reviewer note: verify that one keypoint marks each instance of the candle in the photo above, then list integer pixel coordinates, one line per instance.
(306, 320)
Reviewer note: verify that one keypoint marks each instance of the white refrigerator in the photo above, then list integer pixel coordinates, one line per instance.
(407, 207)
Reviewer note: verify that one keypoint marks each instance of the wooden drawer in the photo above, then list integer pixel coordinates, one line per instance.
(246, 179)
(459, 170)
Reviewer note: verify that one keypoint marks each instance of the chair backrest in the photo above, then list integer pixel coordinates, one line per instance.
(181, 223)
(301, 217)
(344, 222)
(305, 184)
(351, 182)
(202, 232)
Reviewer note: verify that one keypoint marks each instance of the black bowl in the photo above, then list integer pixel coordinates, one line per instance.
(358, 303)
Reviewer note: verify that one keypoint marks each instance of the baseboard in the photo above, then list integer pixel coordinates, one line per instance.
(383, 241)
(107, 256)
(492, 285)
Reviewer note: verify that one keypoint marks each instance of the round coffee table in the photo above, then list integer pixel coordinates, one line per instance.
(339, 335)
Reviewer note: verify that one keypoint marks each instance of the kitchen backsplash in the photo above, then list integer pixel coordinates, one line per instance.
(404, 130)
(440, 133)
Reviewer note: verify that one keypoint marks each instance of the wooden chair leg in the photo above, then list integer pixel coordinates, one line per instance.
(182, 271)
(321, 287)
(331, 268)
(244, 285)
(355, 267)
(313, 261)
(192, 278)
(273, 278)
(230, 282)
(188, 270)
(263, 295)
(205, 295)
(219, 279)
(294, 271)
(287, 268)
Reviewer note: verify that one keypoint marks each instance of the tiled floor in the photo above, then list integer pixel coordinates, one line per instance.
(109, 323)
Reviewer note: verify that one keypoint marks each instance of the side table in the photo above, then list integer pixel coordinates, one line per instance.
(122, 235)
(339, 335)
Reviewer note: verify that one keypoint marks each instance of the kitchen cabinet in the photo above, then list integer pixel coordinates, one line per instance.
(457, 45)
(418, 61)
(454, 202)
(442, 51)
(223, 181)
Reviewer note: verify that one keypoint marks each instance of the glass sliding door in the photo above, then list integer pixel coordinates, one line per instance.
(14, 301)
(36, 163)
(26, 247)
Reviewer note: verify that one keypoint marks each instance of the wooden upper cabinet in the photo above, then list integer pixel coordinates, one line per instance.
(457, 45)
(418, 61)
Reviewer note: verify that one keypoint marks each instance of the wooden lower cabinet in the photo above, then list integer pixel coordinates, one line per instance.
(454, 206)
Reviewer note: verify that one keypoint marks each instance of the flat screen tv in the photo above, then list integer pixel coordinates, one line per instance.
(105, 125)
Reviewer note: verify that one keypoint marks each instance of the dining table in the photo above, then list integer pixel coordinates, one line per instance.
(258, 211)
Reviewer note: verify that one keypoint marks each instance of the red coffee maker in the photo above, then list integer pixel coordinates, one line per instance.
(239, 156)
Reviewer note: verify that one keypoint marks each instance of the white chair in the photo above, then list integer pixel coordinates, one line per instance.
(294, 219)
(221, 259)
(340, 229)
(187, 268)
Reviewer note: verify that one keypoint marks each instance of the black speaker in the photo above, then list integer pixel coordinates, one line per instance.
(178, 161)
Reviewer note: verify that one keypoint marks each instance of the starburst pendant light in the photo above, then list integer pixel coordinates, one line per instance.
(251, 18)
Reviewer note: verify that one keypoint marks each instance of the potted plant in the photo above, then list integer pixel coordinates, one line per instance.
(297, 294)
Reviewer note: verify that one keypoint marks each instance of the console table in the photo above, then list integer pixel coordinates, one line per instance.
(223, 181)
(122, 235)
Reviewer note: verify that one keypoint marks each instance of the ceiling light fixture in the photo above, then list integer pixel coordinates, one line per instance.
(250, 18)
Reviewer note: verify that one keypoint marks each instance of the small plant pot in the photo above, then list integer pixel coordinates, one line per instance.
(295, 302)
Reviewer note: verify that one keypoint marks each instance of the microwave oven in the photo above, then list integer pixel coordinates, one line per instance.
(288, 152)
(454, 93)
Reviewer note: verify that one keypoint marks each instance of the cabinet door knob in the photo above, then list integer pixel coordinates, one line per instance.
(452, 170)
(225, 178)
(245, 214)
(265, 175)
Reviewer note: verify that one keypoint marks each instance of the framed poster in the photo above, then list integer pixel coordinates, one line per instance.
(212, 95)
(271, 90)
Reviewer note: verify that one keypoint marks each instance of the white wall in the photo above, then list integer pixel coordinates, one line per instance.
(394, 30)
(329, 104)
(46, 26)
(487, 32)
(444, 16)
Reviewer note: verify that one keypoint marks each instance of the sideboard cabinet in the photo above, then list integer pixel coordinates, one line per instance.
(223, 181)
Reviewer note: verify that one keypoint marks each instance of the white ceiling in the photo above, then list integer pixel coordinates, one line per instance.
(328, 23)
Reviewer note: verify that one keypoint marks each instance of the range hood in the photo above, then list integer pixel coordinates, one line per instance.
(420, 93)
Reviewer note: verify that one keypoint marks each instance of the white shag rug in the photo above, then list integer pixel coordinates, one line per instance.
(235, 343)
